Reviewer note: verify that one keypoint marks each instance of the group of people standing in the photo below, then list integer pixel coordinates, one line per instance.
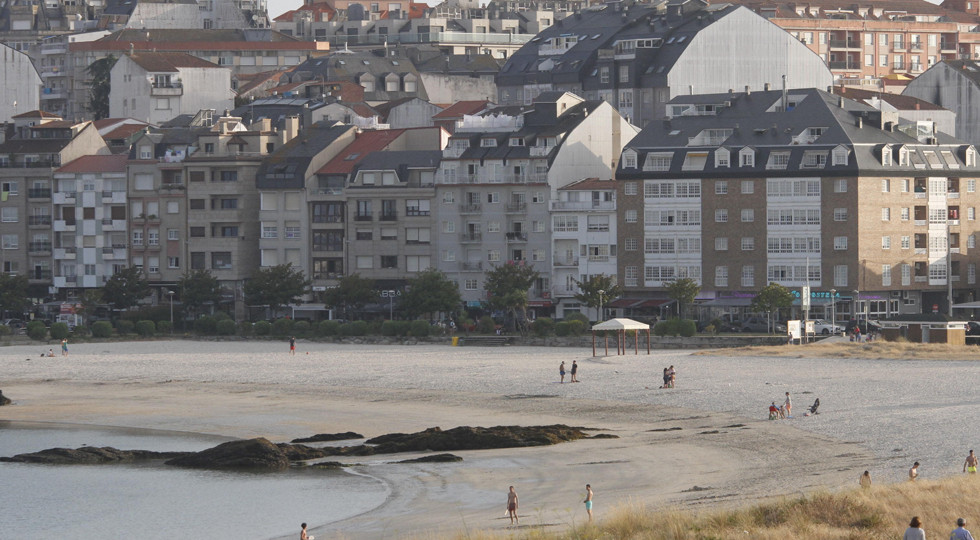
(670, 376)
(513, 504)
(574, 373)
(916, 532)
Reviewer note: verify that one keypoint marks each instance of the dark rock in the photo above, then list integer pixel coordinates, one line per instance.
(248, 454)
(4, 400)
(89, 455)
(435, 458)
(475, 438)
(328, 465)
(323, 437)
(604, 436)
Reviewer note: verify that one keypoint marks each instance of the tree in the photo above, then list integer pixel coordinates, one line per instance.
(13, 294)
(276, 287)
(350, 294)
(198, 289)
(125, 288)
(429, 292)
(683, 291)
(507, 287)
(88, 304)
(772, 298)
(100, 71)
(590, 288)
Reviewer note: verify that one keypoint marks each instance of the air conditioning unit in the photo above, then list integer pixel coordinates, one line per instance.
(896, 294)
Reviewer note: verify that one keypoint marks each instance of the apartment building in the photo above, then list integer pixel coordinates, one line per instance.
(34, 147)
(639, 56)
(798, 188)
(583, 230)
(21, 81)
(954, 85)
(875, 40)
(500, 171)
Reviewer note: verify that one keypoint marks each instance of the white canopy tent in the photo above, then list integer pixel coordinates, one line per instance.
(621, 326)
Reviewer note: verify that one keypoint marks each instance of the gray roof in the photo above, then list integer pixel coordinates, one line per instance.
(401, 162)
(286, 168)
(757, 121)
(348, 65)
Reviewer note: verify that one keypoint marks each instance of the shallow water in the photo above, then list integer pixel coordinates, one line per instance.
(149, 501)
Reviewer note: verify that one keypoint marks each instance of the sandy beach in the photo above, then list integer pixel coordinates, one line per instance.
(876, 414)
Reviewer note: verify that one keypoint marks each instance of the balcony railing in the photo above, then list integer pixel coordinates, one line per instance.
(566, 262)
(471, 237)
(390, 216)
(39, 220)
(516, 237)
(39, 247)
(470, 208)
(363, 217)
(476, 266)
(327, 219)
(40, 274)
(39, 193)
(29, 164)
(516, 207)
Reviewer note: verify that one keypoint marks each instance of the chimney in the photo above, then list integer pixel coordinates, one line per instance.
(785, 97)
(840, 102)
(767, 87)
(860, 122)
(291, 128)
(748, 91)
(917, 105)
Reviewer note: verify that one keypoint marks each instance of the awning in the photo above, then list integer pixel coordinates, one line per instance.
(621, 324)
(728, 302)
(539, 303)
(967, 305)
(638, 303)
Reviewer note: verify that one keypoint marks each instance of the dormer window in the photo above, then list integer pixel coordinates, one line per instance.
(629, 159)
(517, 141)
(903, 157)
(488, 143)
(778, 160)
(460, 144)
(658, 161)
(746, 157)
(839, 155)
(816, 159)
(886, 155)
(722, 158)
(971, 156)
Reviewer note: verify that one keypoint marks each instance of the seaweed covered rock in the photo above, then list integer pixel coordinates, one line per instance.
(4, 400)
(475, 438)
(324, 437)
(89, 455)
(255, 454)
(434, 458)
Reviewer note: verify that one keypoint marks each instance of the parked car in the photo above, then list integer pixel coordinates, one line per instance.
(14, 324)
(825, 327)
(973, 328)
(759, 324)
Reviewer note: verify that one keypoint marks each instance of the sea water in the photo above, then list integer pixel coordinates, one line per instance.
(149, 501)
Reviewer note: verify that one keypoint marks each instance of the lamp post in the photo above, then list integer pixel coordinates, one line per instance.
(601, 292)
(171, 295)
(833, 311)
(390, 294)
(857, 319)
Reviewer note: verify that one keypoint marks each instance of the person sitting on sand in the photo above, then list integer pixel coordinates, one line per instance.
(302, 533)
(915, 532)
(914, 472)
(512, 506)
(866, 480)
(773, 411)
(50, 353)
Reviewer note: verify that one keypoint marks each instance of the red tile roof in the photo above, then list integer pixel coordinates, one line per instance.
(458, 109)
(169, 61)
(589, 184)
(364, 143)
(36, 114)
(124, 131)
(318, 9)
(96, 164)
(899, 101)
(55, 124)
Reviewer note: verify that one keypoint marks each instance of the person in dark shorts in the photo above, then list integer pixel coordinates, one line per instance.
(574, 371)
(561, 371)
(512, 506)
(292, 345)
(666, 379)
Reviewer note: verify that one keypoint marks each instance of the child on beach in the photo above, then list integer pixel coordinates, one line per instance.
(561, 371)
(512, 506)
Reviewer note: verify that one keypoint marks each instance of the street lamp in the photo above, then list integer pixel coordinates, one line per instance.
(833, 310)
(171, 295)
(390, 294)
(601, 292)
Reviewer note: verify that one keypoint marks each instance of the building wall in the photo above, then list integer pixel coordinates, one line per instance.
(947, 88)
(592, 149)
(21, 83)
(443, 88)
(415, 113)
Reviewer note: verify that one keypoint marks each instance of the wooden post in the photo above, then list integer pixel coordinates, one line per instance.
(636, 342)
(607, 344)
(593, 344)
(648, 341)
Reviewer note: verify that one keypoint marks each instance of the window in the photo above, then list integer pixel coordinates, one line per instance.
(840, 214)
(598, 223)
(604, 75)
(631, 244)
(886, 242)
(905, 214)
(840, 243)
(221, 260)
(886, 275)
(840, 185)
(631, 276)
(906, 274)
(173, 207)
(885, 185)
(449, 255)
(624, 74)
(173, 262)
(389, 261)
(449, 227)
(493, 255)
(153, 237)
(721, 244)
(748, 243)
(721, 276)
(971, 213)
(417, 207)
(197, 232)
(493, 226)
(389, 233)
(631, 187)
(906, 184)
(364, 262)
(173, 234)
(270, 230)
(10, 241)
(228, 176)
(748, 187)
(153, 265)
(840, 275)
(748, 276)
(417, 263)
(631, 216)
(721, 215)
(906, 242)
(143, 182)
(748, 215)
(493, 197)
(721, 187)
(564, 223)
(448, 197)
(747, 157)
(417, 235)
(971, 273)
(195, 204)
(471, 284)
(971, 185)
(293, 231)
(886, 214)
(137, 238)
(8, 214)
(629, 162)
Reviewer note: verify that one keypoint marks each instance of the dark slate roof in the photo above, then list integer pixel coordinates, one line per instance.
(347, 65)
(754, 126)
(276, 109)
(401, 162)
(198, 34)
(673, 23)
(968, 68)
(436, 62)
(286, 168)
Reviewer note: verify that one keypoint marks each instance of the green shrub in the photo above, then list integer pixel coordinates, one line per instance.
(125, 327)
(206, 326)
(301, 328)
(246, 328)
(164, 327)
(687, 327)
(159, 312)
(5, 330)
(710, 329)
(146, 328)
(282, 327)
(577, 317)
(374, 328)
(328, 328)
(356, 328)
(389, 328)
(543, 326)
(486, 325)
(81, 331)
(563, 328)
(419, 328)
(262, 328)
(226, 327)
(102, 329)
(222, 316)
(662, 328)
(59, 331)
(576, 327)
(36, 330)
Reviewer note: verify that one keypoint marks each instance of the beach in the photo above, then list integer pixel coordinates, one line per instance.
(705, 442)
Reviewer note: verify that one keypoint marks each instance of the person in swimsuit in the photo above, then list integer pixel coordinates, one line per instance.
(673, 376)
(914, 472)
(512, 506)
(561, 371)
(292, 345)
(971, 463)
(64, 347)
(588, 500)
(773, 411)
(574, 371)
(302, 533)
(788, 405)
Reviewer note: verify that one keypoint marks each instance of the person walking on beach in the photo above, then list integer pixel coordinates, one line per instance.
(914, 472)
(960, 532)
(666, 378)
(673, 376)
(971, 463)
(561, 371)
(574, 371)
(866, 481)
(588, 500)
(512, 506)
(292, 345)
(915, 532)
(302, 533)
(64, 347)
(788, 406)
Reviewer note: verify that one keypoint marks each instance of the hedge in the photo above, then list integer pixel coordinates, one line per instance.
(37, 330)
(102, 329)
(543, 326)
(226, 327)
(262, 328)
(146, 328)
(59, 331)
(125, 327)
(419, 328)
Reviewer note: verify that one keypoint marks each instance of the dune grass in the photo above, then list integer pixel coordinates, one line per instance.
(898, 350)
(881, 512)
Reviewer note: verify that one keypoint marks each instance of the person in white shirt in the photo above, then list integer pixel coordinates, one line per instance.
(960, 532)
(915, 532)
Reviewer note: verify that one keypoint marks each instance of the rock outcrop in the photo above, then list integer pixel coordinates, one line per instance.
(4, 400)
(475, 438)
(89, 455)
(434, 458)
(254, 454)
(324, 437)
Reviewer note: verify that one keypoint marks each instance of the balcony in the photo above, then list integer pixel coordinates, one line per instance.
(39, 248)
(515, 208)
(915, 46)
(63, 197)
(845, 44)
(565, 263)
(470, 208)
(39, 193)
(61, 225)
(54, 48)
(844, 65)
(899, 66)
(39, 221)
(471, 237)
(390, 216)
(471, 266)
(167, 89)
(947, 46)
(320, 218)
(595, 206)
(67, 253)
(37, 164)
(38, 275)
(363, 217)
(898, 45)
(516, 237)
